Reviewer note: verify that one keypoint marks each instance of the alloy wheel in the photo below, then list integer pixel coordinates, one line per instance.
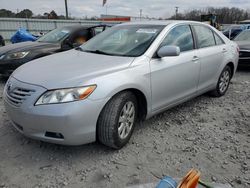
(126, 120)
(224, 81)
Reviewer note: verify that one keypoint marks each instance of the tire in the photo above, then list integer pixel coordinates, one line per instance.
(115, 125)
(109, 120)
(223, 83)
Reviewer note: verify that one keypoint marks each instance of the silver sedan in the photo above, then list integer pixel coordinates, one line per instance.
(130, 72)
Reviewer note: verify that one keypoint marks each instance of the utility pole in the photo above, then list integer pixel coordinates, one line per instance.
(66, 9)
(176, 12)
(140, 14)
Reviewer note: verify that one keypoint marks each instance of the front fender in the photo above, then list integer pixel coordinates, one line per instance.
(137, 76)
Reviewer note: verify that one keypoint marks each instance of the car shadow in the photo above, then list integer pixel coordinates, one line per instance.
(3, 79)
(243, 68)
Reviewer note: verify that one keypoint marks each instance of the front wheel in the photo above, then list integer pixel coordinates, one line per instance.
(223, 82)
(117, 120)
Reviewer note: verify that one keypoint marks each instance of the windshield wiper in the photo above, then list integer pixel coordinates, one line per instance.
(79, 48)
(98, 52)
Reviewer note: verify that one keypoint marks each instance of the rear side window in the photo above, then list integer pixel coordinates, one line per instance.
(205, 37)
(218, 40)
(180, 36)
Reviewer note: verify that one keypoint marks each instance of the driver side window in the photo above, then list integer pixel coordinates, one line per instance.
(80, 37)
(180, 36)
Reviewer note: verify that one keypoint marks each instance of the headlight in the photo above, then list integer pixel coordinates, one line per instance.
(65, 95)
(2, 56)
(16, 55)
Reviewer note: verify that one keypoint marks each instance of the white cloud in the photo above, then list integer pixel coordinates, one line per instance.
(152, 8)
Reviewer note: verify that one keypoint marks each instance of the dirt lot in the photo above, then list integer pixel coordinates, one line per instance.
(210, 134)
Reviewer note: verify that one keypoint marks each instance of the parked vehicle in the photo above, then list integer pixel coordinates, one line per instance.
(211, 19)
(243, 41)
(58, 40)
(2, 42)
(233, 31)
(129, 72)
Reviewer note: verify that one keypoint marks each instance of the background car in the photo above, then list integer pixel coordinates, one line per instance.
(243, 41)
(58, 40)
(131, 71)
(233, 31)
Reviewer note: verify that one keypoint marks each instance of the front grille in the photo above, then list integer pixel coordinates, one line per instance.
(17, 95)
(244, 53)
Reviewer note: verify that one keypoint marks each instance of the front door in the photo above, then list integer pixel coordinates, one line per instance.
(175, 78)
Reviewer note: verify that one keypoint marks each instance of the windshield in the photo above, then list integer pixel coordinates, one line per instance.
(243, 36)
(55, 35)
(125, 40)
(232, 28)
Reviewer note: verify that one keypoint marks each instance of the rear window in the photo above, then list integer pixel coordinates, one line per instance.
(205, 36)
(218, 40)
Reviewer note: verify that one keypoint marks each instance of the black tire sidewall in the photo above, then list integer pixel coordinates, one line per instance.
(119, 143)
(227, 68)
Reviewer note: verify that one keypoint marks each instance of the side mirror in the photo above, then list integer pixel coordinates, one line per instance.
(166, 51)
(66, 45)
(75, 45)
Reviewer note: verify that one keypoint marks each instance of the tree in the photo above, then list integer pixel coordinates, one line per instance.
(52, 15)
(62, 17)
(6, 13)
(26, 13)
(224, 15)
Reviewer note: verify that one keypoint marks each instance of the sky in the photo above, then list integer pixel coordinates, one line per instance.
(151, 8)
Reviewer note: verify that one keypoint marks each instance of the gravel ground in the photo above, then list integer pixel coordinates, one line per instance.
(210, 134)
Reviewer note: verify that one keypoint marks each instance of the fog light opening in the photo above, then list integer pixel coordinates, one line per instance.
(19, 127)
(54, 135)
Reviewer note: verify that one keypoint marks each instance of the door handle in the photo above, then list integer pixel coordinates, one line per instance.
(224, 50)
(195, 58)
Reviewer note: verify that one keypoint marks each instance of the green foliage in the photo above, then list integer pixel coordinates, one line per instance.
(26, 13)
(7, 13)
(224, 15)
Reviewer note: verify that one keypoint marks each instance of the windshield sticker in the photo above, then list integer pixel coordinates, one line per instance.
(149, 31)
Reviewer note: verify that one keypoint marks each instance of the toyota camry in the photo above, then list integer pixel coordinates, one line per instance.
(127, 73)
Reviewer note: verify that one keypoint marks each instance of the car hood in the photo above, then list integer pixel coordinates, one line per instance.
(69, 69)
(25, 46)
(243, 45)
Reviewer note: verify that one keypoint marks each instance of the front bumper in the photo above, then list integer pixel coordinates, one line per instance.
(244, 57)
(244, 61)
(74, 122)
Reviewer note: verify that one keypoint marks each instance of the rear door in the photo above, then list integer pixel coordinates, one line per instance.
(211, 50)
(175, 78)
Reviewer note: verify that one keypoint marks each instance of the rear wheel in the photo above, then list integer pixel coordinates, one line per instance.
(117, 120)
(223, 82)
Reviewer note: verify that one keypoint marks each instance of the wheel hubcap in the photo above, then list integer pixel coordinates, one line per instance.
(224, 81)
(126, 120)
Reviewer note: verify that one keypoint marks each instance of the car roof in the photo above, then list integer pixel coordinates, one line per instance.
(160, 22)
